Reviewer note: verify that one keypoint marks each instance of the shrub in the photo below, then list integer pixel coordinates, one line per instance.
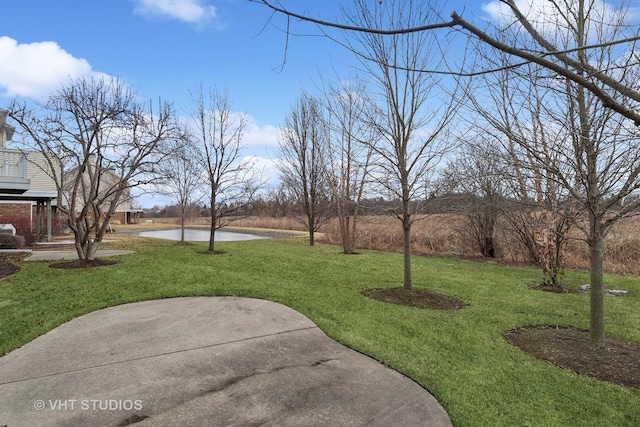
(24, 227)
(9, 241)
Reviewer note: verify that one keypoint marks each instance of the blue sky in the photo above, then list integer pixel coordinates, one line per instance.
(166, 48)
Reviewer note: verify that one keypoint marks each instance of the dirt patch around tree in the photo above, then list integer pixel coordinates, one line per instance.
(421, 298)
(553, 289)
(84, 263)
(569, 348)
(212, 252)
(7, 269)
(7, 260)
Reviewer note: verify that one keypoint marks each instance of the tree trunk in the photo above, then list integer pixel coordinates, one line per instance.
(488, 247)
(212, 231)
(182, 215)
(80, 250)
(352, 233)
(92, 248)
(346, 236)
(85, 247)
(596, 288)
(343, 223)
(406, 235)
(312, 224)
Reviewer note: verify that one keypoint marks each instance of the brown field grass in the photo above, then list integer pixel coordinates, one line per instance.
(447, 234)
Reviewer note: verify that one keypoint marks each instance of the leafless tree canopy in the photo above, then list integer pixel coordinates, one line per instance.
(232, 183)
(99, 143)
(303, 142)
(575, 155)
(181, 176)
(409, 111)
(571, 139)
(348, 154)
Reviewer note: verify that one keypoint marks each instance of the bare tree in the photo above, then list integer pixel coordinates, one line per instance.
(280, 200)
(589, 150)
(232, 181)
(103, 142)
(348, 155)
(589, 45)
(477, 174)
(303, 140)
(511, 114)
(182, 176)
(411, 111)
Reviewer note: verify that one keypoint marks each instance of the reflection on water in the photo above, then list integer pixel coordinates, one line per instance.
(195, 235)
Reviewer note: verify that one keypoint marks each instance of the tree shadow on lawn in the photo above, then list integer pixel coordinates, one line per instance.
(616, 361)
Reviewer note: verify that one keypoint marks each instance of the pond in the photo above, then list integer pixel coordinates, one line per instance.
(198, 235)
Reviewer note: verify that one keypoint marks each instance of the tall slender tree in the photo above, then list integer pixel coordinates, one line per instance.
(348, 154)
(412, 111)
(588, 149)
(232, 181)
(303, 141)
(182, 176)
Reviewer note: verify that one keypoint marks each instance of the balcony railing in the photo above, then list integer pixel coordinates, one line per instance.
(13, 172)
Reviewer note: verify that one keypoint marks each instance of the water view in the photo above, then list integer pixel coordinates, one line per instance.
(198, 235)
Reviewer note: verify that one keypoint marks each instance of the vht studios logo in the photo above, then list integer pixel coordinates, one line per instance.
(88, 405)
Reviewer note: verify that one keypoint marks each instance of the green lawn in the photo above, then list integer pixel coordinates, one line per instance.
(460, 356)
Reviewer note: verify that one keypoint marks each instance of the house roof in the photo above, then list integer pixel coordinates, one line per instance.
(30, 196)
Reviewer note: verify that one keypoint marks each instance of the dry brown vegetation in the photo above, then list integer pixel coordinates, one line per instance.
(448, 234)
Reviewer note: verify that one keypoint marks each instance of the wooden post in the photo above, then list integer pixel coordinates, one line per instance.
(48, 220)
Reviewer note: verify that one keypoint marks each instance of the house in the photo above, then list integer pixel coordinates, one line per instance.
(124, 213)
(28, 190)
(26, 187)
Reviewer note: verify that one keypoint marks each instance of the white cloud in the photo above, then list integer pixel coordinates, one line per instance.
(35, 69)
(260, 136)
(254, 136)
(532, 9)
(546, 17)
(265, 167)
(190, 11)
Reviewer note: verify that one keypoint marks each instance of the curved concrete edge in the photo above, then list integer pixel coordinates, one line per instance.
(203, 361)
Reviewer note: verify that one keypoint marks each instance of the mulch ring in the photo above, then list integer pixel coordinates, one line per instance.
(615, 361)
(7, 266)
(7, 269)
(84, 263)
(553, 289)
(421, 298)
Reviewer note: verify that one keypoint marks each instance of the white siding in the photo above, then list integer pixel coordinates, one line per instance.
(39, 172)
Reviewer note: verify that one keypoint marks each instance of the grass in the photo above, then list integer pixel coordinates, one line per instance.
(459, 356)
